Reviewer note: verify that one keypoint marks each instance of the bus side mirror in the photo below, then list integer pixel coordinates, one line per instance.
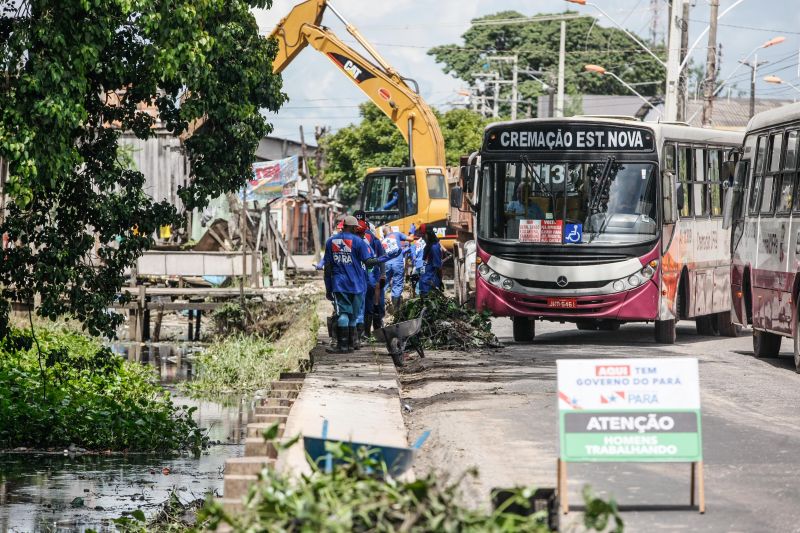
(726, 175)
(733, 177)
(456, 197)
(468, 178)
(667, 188)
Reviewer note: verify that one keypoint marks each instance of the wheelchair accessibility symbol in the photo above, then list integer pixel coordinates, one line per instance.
(573, 233)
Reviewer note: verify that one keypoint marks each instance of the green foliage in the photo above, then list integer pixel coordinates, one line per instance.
(228, 319)
(359, 495)
(599, 513)
(376, 142)
(537, 45)
(236, 363)
(448, 325)
(94, 399)
(77, 74)
(276, 339)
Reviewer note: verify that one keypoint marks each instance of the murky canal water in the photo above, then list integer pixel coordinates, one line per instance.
(37, 490)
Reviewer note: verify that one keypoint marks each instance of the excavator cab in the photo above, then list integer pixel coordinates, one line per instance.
(389, 196)
(403, 197)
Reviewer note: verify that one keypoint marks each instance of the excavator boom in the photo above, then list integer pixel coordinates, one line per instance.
(381, 83)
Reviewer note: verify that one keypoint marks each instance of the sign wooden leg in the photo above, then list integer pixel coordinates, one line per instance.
(561, 485)
(692, 483)
(701, 487)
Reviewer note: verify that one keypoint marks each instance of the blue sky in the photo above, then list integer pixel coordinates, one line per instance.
(404, 30)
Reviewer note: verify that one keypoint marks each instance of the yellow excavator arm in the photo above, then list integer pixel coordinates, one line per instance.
(380, 82)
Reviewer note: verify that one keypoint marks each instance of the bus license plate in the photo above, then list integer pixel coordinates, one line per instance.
(562, 303)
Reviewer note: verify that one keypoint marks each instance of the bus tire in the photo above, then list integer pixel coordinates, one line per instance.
(586, 325)
(766, 344)
(665, 331)
(705, 325)
(609, 325)
(524, 329)
(725, 324)
(796, 339)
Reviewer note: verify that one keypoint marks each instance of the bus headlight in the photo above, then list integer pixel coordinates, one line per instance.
(508, 284)
(484, 269)
(634, 281)
(494, 277)
(619, 286)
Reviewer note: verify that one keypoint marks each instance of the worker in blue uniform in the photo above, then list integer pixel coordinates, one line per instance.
(395, 241)
(394, 199)
(431, 275)
(346, 256)
(416, 256)
(374, 302)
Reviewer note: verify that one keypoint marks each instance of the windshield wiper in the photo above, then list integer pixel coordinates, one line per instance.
(594, 206)
(601, 185)
(539, 181)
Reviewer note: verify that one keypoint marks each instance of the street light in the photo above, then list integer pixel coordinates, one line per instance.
(597, 69)
(772, 42)
(618, 25)
(778, 81)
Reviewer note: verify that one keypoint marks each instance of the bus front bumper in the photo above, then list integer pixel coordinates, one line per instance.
(636, 305)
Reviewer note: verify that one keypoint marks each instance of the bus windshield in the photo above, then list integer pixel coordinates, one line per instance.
(598, 202)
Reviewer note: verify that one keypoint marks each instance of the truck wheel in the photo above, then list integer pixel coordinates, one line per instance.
(524, 329)
(609, 325)
(705, 325)
(725, 324)
(586, 325)
(665, 331)
(766, 344)
(796, 338)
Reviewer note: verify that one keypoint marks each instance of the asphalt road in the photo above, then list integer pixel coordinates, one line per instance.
(497, 411)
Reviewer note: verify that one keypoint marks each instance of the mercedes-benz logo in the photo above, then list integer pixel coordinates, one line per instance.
(562, 281)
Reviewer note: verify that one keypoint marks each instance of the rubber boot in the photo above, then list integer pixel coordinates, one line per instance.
(360, 329)
(367, 326)
(342, 342)
(355, 342)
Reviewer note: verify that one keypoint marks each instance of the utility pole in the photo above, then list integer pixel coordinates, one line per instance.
(312, 211)
(673, 62)
(711, 66)
(496, 100)
(754, 64)
(514, 93)
(683, 81)
(562, 52)
(655, 6)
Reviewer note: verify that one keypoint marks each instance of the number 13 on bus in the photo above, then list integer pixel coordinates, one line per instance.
(602, 221)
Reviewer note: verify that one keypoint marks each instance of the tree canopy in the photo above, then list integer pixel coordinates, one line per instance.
(376, 142)
(78, 73)
(537, 45)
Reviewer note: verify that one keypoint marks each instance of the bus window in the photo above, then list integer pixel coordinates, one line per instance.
(772, 167)
(756, 177)
(669, 157)
(700, 186)
(682, 195)
(410, 196)
(436, 186)
(714, 165)
(786, 195)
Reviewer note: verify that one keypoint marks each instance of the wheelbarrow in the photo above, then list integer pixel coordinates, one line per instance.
(397, 460)
(398, 336)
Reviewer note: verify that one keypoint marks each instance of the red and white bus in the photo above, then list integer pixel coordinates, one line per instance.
(763, 207)
(602, 221)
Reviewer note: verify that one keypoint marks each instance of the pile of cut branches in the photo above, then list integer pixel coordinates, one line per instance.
(448, 325)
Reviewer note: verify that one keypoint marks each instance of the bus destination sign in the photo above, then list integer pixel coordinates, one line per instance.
(548, 137)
